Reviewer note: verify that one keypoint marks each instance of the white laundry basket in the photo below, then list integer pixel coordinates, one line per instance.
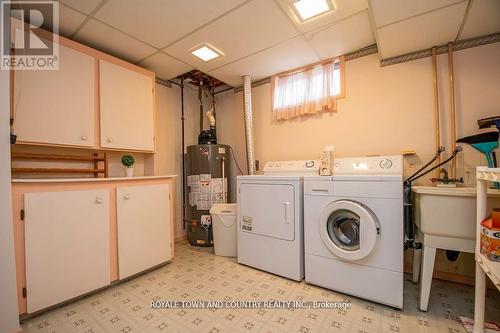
(224, 228)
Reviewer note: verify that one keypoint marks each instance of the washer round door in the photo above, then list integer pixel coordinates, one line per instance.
(349, 229)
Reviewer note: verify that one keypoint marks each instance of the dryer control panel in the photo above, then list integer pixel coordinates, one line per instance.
(306, 167)
(368, 165)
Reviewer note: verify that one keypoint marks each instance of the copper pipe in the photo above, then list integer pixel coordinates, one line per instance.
(437, 125)
(452, 109)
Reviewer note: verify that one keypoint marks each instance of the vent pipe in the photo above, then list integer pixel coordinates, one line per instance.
(247, 106)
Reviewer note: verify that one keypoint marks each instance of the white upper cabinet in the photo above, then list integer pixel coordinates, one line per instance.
(57, 106)
(126, 108)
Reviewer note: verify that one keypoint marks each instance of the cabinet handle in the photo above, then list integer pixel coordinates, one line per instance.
(110, 139)
(126, 197)
(84, 137)
(98, 200)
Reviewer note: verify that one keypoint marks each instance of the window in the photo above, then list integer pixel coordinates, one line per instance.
(308, 90)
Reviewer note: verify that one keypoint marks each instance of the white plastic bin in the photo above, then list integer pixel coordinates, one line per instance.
(225, 228)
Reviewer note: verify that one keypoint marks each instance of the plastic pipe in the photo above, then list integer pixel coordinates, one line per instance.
(453, 129)
(247, 105)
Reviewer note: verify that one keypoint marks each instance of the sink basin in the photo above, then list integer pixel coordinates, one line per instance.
(446, 219)
(449, 211)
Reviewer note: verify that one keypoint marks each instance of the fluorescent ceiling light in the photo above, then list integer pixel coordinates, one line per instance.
(206, 53)
(311, 8)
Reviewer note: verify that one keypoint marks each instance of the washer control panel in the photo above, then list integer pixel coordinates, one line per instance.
(292, 167)
(369, 165)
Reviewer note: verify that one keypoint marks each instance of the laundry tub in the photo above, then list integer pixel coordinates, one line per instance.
(224, 229)
(446, 219)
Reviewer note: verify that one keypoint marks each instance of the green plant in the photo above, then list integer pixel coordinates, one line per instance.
(128, 160)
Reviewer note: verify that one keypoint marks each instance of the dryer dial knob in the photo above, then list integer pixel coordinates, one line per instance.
(386, 164)
(309, 164)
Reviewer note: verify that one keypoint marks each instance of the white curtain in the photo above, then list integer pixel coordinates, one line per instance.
(308, 91)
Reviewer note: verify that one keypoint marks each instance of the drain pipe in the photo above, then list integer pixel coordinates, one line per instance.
(183, 156)
(247, 106)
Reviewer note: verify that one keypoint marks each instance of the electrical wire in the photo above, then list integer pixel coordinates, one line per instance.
(235, 161)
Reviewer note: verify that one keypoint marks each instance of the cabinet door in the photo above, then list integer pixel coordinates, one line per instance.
(126, 108)
(67, 245)
(143, 214)
(57, 106)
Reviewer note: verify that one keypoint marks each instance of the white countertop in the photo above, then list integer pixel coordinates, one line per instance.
(76, 180)
(452, 191)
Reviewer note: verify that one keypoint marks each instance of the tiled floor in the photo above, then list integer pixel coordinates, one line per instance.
(197, 274)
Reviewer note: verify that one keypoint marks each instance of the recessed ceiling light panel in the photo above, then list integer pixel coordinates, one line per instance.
(206, 52)
(308, 9)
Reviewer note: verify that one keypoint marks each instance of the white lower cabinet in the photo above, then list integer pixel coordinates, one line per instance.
(143, 216)
(66, 245)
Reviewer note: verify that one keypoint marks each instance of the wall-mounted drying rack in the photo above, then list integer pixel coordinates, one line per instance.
(95, 160)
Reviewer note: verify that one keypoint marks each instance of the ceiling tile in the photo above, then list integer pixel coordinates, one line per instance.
(165, 66)
(287, 55)
(343, 37)
(251, 28)
(112, 41)
(343, 9)
(160, 22)
(86, 6)
(421, 32)
(483, 19)
(69, 20)
(389, 11)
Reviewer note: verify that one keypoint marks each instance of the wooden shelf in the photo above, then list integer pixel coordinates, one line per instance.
(32, 156)
(55, 170)
(93, 160)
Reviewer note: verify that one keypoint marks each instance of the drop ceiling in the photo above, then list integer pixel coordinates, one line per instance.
(262, 37)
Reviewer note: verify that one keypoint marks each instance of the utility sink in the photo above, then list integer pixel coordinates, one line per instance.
(449, 211)
(446, 219)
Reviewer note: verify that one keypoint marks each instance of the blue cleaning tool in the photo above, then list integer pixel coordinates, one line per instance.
(486, 143)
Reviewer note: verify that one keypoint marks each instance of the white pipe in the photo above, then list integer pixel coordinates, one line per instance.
(247, 105)
(211, 118)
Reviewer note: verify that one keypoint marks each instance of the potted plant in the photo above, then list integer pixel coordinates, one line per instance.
(128, 161)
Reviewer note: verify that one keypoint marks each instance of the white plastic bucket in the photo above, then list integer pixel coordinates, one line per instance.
(224, 228)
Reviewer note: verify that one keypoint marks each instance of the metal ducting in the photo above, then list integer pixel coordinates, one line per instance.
(247, 105)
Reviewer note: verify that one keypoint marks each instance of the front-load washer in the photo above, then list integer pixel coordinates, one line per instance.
(353, 229)
(270, 218)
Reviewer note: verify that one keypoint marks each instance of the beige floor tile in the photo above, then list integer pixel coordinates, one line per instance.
(196, 274)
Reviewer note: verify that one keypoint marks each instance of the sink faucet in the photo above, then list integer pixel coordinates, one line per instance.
(445, 179)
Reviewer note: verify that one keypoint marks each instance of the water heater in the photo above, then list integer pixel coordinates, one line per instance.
(207, 171)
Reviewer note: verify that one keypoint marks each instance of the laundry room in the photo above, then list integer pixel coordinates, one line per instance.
(250, 166)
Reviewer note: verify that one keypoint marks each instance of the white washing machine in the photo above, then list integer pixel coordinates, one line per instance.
(353, 229)
(270, 218)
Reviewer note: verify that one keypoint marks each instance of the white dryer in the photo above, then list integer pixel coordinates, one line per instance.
(353, 229)
(270, 218)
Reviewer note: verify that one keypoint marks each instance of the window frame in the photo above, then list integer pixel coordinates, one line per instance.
(341, 66)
